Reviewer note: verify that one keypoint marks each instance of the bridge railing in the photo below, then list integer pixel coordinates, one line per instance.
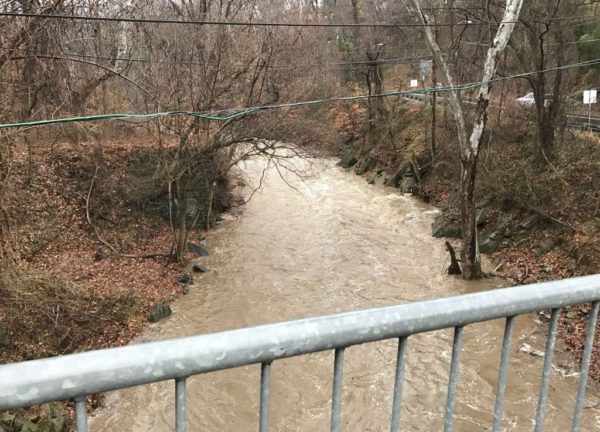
(73, 377)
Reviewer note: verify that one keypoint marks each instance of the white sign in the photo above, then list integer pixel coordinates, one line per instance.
(414, 83)
(425, 67)
(589, 96)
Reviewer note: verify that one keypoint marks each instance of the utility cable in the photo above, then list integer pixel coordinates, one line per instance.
(236, 113)
(66, 55)
(471, 22)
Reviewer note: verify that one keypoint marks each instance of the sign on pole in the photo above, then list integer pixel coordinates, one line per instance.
(425, 67)
(414, 83)
(589, 96)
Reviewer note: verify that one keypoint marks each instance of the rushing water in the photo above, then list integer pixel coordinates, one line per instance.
(332, 243)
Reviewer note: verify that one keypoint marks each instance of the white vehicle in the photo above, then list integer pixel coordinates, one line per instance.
(529, 99)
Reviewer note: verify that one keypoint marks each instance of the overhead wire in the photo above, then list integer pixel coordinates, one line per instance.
(202, 22)
(66, 55)
(236, 113)
(88, 18)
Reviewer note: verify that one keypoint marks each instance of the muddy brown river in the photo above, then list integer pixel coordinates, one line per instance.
(333, 243)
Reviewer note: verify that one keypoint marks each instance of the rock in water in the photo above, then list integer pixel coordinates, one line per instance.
(160, 311)
(446, 224)
(409, 184)
(200, 250)
(382, 178)
(200, 268)
(184, 278)
(348, 161)
(364, 166)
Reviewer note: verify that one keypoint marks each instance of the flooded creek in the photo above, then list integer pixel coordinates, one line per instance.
(333, 243)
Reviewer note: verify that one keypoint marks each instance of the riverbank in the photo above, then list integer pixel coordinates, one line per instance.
(92, 244)
(71, 292)
(539, 220)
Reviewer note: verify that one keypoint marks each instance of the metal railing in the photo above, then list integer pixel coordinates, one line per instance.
(75, 376)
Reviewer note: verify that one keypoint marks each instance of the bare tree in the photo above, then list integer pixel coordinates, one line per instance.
(540, 43)
(469, 146)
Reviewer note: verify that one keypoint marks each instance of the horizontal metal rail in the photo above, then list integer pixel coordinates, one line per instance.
(72, 377)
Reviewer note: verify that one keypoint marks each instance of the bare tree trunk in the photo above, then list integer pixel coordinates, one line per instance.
(469, 149)
(211, 196)
(356, 19)
(469, 254)
(181, 221)
(433, 110)
(376, 105)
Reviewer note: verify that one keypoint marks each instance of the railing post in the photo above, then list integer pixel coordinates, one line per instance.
(502, 374)
(585, 364)
(265, 382)
(541, 410)
(81, 414)
(398, 384)
(336, 398)
(456, 348)
(180, 405)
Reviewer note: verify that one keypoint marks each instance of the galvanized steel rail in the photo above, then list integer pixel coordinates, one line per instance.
(75, 376)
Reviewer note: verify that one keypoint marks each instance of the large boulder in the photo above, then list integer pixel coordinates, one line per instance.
(396, 179)
(447, 224)
(409, 184)
(199, 268)
(159, 311)
(490, 242)
(198, 249)
(348, 161)
(364, 166)
(494, 238)
(381, 179)
(183, 278)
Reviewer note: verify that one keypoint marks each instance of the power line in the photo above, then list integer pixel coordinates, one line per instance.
(473, 22)
(235, 113)
(203, 22)
(539, 19)
(71, 56)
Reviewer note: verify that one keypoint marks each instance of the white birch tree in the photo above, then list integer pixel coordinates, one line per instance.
(469, 145)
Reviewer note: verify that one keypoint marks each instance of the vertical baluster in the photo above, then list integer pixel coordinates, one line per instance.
(81, 414)
(336, 399)
(398, 384)
(265, 381)
(541, 409)
(502, 374)
(456, 348)
(585, 364)
(180, 404)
